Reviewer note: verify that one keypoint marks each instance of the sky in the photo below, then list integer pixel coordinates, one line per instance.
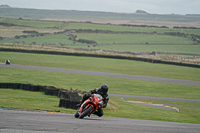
(122, 6)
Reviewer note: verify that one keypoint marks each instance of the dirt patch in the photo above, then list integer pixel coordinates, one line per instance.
(169, 24)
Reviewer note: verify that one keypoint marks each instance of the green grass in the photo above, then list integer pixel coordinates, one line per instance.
(134, 38)
(106, 38)
(11, 32)
(64, 39)
(145, 48)
(88, 82)
(50, 39)
(103, 65)
(91, 26)
(187, 114)
(116, 107)
(126, 28)
(103, 38)
(30, 100)
(33, 23)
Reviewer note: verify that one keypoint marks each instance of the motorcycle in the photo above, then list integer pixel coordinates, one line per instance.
(89, 106)
(7, 62)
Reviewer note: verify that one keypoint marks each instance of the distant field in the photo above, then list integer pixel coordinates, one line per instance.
(11, 32)
(33, 23)
(145, 48)
(134, 38)
(50, 39)
(59, 39)
(120, 42)
(126, 28)
(108, 38)
(74, 25)
(103, 39)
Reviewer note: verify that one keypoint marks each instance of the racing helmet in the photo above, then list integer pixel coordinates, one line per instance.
(104, 88)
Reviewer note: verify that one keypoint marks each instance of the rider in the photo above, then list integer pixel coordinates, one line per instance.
(7, 61)
(103, 92)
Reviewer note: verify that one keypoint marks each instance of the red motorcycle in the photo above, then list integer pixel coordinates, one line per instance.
(89, 106)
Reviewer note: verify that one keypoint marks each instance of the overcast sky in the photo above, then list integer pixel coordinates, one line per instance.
(124, 6)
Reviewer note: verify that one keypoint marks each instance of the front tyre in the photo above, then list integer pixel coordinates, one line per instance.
(76, 115)
(86, 112)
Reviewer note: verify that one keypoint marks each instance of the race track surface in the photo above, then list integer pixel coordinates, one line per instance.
(41, 122)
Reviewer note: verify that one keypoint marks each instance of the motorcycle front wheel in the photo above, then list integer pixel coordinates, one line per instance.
(86, 112)
(76, 115)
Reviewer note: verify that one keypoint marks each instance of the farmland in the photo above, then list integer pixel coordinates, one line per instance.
(176, 42)
(129, 28)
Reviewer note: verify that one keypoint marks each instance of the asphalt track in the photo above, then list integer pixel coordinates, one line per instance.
(42, 122)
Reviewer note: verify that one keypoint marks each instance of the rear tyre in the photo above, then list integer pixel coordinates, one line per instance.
(86, 112)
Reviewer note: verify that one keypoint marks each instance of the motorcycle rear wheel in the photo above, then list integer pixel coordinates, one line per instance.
(86, 112)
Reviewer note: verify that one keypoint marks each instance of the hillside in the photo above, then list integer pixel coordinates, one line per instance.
(26, 13)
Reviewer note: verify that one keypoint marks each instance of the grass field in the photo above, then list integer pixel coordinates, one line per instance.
(85, 82)
(144, 48)
(103, 65)
(47, 40)
(122, 40)
(33, 23)
(103, 39)
(11, 32)
(134, 38)
(106, 38)
(73, 25)
(126, 28)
